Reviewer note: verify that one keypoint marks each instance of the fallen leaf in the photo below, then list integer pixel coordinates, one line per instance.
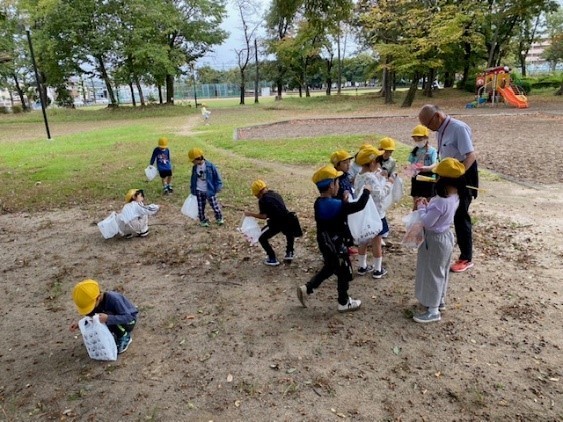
(396, 350)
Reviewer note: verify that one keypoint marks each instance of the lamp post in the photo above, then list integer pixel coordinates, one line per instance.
(39, 88)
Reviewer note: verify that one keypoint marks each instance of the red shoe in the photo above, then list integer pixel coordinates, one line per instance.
(352, 251)
(461, 265)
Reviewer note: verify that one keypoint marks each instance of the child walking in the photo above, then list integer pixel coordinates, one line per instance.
(133, 220)
(342, 161)
(114, 310)
(435, 253)
(381, 187)
(330, 216)
(205, 114)
(161, 154)
(272, 208)
(205, 184)
(424, 157)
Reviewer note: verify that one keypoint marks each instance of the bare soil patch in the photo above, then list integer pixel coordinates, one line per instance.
(222, 337)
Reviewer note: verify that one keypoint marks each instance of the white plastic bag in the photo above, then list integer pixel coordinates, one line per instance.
(151, 172)
(415, 230)
(109, 227)
(364, 225)
(397, 190)
(189, 209)
(97, 338)
(387, 201)
(250, 229)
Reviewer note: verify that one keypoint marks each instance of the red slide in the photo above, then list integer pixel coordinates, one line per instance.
(513, 99)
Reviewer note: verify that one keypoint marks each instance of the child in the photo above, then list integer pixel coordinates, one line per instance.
(272, 208)
(434, 255)
(161, 155)
(114, 310)
(424, 158)
(372, 174)
(205, 114)
(342, 161)
(330, 215)
(134, 217)
(388, 163)
(205, 184)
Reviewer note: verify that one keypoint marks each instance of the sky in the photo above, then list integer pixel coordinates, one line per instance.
(224, 57)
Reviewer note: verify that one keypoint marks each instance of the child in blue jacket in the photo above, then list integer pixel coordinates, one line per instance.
(161, 154)
(205, 184)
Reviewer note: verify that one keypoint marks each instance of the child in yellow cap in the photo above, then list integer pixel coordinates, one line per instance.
(161, 154)
(205, 113)
(424, 157)
(205, 184)
(435, 253)
(114, 310)
(388, 163)
(272, 207)
(330, 216)
(133, 220)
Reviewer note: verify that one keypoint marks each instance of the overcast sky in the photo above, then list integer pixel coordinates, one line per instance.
(224, 56)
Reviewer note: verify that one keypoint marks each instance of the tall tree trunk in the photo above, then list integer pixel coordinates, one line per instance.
(388, 86)
(449, 79)
(407, 102)
(339, 81)
(107, 81)
(170, 90)
(160, 99)
(132, 94)
(328, 76)
(242, 86)
(307, 90)
(20, 92)
(257, 79)
(140, 91)
(429, 83)
(466, 64)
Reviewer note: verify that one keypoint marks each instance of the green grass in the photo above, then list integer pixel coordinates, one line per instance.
(109, 149)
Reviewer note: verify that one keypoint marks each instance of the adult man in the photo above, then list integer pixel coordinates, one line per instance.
(455, 140)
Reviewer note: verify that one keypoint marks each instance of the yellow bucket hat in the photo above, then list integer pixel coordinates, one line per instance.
(84, 295)
(327, 172)
(257, 187)
(449, 167)
(367, 155)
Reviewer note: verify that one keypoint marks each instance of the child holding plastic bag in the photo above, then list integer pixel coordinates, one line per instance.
(435, 253)
(423, 158)
(272, 208)
(205, 184)
(330, 216)
(133, 220)
(113, 309)
(371, 174)
(161, 154)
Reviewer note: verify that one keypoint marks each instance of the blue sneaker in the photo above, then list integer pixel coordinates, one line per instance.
(272, 262)
(124, 343)
(427, 317)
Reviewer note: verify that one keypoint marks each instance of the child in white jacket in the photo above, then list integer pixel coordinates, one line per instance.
(370, 174)
(133, 220)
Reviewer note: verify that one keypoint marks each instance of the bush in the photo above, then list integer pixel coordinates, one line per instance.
(469, 84)
(551, 81)
(4, 110)
(17, 109)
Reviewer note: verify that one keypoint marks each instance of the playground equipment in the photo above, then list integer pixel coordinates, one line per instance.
(495, 83)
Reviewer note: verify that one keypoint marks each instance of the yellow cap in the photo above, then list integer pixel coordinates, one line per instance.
(339, 156)
(449, 167)
(84, 295)
(195, 153)
(325, 173)
(420, 131)
(130, 194)
(163, 142)
(367, 154)
(257, 187)
(387, 144)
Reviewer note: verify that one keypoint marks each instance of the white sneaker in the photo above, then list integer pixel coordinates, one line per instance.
(302, 295)
(352, 305)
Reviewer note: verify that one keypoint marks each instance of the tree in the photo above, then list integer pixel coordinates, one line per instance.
(247, 9)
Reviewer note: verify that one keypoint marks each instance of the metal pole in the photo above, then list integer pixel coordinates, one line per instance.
(41, 99)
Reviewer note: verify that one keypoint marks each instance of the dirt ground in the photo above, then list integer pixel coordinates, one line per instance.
(222, 337)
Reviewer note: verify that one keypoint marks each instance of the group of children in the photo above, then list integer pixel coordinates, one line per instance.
(345, 186)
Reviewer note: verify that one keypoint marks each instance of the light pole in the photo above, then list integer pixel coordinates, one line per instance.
(39, 88)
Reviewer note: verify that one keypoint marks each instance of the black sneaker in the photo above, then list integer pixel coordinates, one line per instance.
(124, 343)
(379, 274)
(365, 270)
(289, 257)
